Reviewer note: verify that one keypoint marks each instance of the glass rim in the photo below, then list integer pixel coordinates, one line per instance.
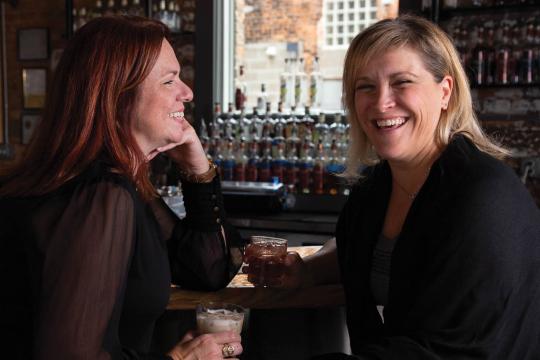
(215, 305)
(261, 238)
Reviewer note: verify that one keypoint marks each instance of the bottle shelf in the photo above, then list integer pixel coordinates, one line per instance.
(446, 13)
(504, 86)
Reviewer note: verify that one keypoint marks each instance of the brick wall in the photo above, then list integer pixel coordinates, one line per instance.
(292, 21)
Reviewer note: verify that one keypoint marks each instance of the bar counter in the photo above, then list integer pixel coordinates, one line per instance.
(241, 292)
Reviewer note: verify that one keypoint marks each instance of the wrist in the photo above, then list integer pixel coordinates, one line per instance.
(200, 177)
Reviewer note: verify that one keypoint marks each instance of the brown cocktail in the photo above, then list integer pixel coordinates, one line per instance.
(265, 257)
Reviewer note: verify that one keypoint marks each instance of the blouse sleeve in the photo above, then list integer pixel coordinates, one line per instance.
(205, 252)
(86, 255)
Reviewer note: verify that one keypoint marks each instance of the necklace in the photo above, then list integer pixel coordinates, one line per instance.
(412, 195)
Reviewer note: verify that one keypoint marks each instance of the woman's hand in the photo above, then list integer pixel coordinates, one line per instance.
(206, 346)
(188, 153)
(319, 268)
(295, 274)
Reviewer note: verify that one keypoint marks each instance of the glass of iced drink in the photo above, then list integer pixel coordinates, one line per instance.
(213, 317)
(265, 257)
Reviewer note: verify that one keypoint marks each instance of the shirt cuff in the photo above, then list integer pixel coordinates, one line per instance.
(204, 205)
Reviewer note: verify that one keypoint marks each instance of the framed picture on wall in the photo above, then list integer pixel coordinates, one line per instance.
(29, 123)
(33, 44)
(34, 87)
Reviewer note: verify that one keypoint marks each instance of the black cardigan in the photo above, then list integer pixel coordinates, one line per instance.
(465, 272)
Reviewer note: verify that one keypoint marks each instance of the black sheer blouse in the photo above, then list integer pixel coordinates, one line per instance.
(86, 270)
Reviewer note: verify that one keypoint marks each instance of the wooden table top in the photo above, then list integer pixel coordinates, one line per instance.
(241, 292)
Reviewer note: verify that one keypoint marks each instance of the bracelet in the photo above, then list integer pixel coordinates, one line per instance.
(205, 177)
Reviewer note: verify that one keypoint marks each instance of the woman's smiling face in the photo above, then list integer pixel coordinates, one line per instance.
(159, 112)
(398, 104)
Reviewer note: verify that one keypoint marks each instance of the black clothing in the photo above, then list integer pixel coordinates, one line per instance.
(465, 272)
(87, 269)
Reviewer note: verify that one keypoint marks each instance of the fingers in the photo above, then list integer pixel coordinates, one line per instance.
(238, 349)
(292, 258)
(190, 335)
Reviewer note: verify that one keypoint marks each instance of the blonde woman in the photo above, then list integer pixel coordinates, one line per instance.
(438, 232)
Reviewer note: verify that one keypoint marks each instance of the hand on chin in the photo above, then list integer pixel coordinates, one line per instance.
(161, 149)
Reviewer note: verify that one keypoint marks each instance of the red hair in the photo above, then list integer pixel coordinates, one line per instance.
(89, 107)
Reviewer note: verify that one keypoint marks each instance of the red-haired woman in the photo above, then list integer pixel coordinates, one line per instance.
(88, 248)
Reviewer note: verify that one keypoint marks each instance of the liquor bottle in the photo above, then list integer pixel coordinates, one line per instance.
(203, 132)
(123, 8)
(81, 18)
(230, 124)
(321, 129)
(290, 175)
(266, 138)
(306, 124)
(240, 92)
(292, 137)
(300, 85)
(292, 121)
(536, 52)
(334, 166)
(315, 85)
(265, 164)
(517, 50)
(504, 59)
(268, 119)
(337, 131)
(244, 125)
(256, 124)
(319, 170)
(490, 58)
(97, 11)
(284, 84)
(240, 162)
(526, 60)
(278, 163)
(171, 16)
(305, 169)
(178, 17)
(217, 154)
(262, 99)
(215, 126)
(110, 10)
(155, 12)
(136, 8)
(253, 161)
(479, 59)
(163, 12)
(227, 165)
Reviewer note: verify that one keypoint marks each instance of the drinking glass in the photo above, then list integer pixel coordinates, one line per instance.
(213, 317)
(265, 257)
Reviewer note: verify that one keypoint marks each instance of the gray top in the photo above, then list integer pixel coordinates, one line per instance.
(380, 269)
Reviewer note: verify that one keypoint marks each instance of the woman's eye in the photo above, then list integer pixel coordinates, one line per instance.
(363, 87)
(403, 82)
(168, 82)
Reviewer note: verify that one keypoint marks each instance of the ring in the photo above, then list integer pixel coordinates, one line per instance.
(227, 350)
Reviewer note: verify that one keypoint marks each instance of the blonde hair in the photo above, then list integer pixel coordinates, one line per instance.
(439, 57)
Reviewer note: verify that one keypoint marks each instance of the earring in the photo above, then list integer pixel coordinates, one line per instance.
(444, 106)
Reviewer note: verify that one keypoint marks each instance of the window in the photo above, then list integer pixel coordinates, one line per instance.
(323, 29)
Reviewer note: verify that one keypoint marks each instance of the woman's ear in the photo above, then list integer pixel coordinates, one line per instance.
(447, 85)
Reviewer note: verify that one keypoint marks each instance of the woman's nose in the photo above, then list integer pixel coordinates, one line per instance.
(185, 94)
(385, 99)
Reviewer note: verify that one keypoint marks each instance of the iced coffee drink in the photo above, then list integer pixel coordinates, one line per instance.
(218, 317)
(265, 257)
